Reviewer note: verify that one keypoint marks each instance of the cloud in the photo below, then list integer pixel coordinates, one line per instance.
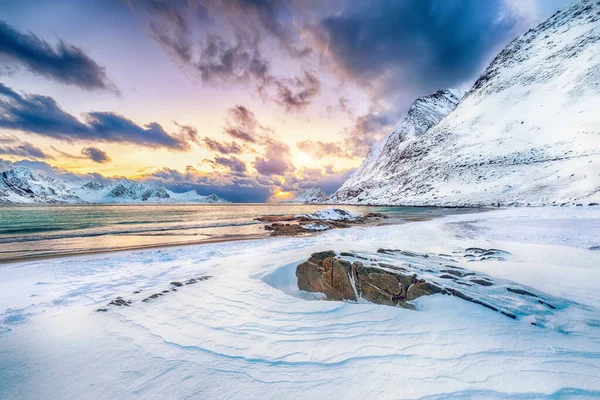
(264, 15)
(232, 164)
(233, 188)
(296, 93)
(229, 49)
(222, 147)
(55, 172)
(275, 161)
(417, 44)
(22, 149)
(241, 124)
(367, 130)
(320, 149)
(96, 155)
(43, 116)
(64, 63)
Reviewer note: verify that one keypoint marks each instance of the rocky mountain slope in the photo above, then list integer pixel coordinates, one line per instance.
(528, 132)
(424, 113)
(22, 185)
(310, 195)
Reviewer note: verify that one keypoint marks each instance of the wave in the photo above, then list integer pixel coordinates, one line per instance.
(78, 234)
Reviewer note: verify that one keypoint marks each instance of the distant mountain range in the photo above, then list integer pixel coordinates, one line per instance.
(22, 185)
(310, 195)
(527, 133)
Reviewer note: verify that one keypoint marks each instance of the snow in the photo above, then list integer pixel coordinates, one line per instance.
(424, 113)
(332, 214)
(526, 133)
(248, 332)
(315, 227)
(310, 195)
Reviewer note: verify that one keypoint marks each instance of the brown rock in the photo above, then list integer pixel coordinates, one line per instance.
(276, 218)
(375, 215)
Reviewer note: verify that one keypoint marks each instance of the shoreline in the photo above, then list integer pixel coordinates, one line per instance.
(75, 253)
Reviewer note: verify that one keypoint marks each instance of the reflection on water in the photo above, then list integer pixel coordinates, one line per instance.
(43, 230)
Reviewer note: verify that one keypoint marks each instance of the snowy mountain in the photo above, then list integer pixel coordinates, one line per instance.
(310, 195)
(528, 132)
(424, 113)
(22, 185)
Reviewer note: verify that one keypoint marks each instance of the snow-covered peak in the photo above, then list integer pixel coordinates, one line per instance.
(424, 113)
(526, 133)
(310, 195)
(22, 185)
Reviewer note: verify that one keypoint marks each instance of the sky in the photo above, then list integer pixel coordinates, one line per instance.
(254, 100)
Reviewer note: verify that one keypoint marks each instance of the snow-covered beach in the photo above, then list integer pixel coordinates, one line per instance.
(247, 332)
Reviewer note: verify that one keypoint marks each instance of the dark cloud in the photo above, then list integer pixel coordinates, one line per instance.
(233, 164)
(241, 124)
(229, 49)
(96, 155)
(43, 116)
(223, 62)
(222, 147)
(419, 44)
(296, 93)
(188, 133)
(266, 15)
(275, 161)
(66, 63)
(233, 188)
(22, 149)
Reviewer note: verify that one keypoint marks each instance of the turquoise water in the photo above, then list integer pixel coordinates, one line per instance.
(45, 230)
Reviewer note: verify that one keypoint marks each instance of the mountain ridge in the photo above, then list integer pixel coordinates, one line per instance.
(527, 133)
(21, 185)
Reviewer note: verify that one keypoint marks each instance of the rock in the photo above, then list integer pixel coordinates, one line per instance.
(345, 276)
(178, 284)
(339, 279)
(119, 302)
(482, 282)
(276, 218)
(375, 215)
(520, 291)
(102, 310)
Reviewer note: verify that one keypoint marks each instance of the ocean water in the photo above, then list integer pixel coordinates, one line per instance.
(30, 231)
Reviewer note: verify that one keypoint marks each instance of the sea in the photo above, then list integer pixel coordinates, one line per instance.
(46, 230)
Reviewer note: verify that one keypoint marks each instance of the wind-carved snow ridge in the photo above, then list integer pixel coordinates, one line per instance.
(247, 332)
(22, 185)
(527, 133)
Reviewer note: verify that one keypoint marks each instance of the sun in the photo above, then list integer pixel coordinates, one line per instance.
(281, 193)
(302, 159)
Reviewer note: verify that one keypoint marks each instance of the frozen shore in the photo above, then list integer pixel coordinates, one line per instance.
(247, 332)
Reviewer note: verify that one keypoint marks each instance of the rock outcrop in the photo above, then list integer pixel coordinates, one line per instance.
(396, 278)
